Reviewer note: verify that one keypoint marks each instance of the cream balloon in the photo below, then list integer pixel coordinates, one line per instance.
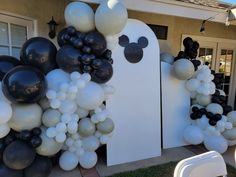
(230, 134)
(88, 160)
(183, 69)
(91, 96)
(6, 112)
(4, 130)
(68, 161)
(86, 127)
(111, 17)
(44, 103)
(106, 126)
(80, 15)
(49, 146)
(82, 112)
(51, 117)
(25, 117)
(203, 100)
(232, 117)
(90, 143)
(215, 108)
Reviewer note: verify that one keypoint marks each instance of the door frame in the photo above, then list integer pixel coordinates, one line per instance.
(229, 44)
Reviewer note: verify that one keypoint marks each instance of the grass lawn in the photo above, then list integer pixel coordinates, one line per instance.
(165, 170)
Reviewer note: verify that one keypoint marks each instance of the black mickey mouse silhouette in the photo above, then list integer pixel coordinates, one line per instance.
(133, 51)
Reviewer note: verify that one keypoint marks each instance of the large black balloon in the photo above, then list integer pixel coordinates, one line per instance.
(97, 42)
(7, 172)
(68, 59)
(40, 53)
(18, 155)
(41, 167)
(6, 64)
(103, 73)
(24, 84)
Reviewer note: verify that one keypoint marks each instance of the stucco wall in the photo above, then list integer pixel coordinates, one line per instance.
(178, 26)
(40, 10)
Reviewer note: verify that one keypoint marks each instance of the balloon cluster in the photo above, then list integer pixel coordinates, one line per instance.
(52, 101)
(190, 52)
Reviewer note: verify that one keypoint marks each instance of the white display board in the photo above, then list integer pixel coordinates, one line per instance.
(175, 108)
(135, 106)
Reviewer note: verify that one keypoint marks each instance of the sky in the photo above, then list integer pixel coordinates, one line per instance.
(230, 1)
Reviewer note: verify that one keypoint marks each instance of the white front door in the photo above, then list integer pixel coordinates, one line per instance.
(221, 55)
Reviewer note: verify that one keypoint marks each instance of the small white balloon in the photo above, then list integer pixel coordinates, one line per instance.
(55, 103)
(228, 125)
(72, 127)
(88, 160)
(72, 149)
(4, 130)
(86, 77)
(51, 94)
(6, 112)
(80, 84)
(60, 137)
(64, 87)
(220, 124)
(66, 118)
(75, 76)
(61, 127)
(78, 143)
(70, 142)
(51, 132)
(61, 95)
(51, 117)
(193, 135)
(68, 161)
(68, 106)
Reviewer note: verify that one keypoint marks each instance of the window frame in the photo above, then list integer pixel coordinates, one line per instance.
(10, 18)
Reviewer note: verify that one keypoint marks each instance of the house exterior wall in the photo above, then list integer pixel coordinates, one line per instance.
(178, 26)
(40, 10)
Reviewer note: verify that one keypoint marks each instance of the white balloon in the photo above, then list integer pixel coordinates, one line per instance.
(51, 94)
(68, 161)
(2, 96)
(4, 130)
(68, 106)
(215, 108)
(49, 146)
(91, 96)
(111, 17)
(25, 117)
(90, 143)
(70, 142)
(75, 75)
(86, 127)
(203, 122)
(80, 15)
(167, 58)
(183, 69)
(216, 143)
(6, 112)
(88, 160)
(222, 92)
(61, 127)
(104, 139)
(66, 118)
(86, 77)
(55, 78)
(112, 42)
(230, 134)
(55, 103)
(228, 125)
(80, 152)
(193, 135)
(51, 117)
(192, 85)
(203, 100)
(72, 127)
(51, 132)
(232, 117)
(61, 137)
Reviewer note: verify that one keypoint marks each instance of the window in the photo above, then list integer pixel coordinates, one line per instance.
(14, 31)
(160, 31)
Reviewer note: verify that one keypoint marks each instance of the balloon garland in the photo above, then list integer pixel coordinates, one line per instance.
(212, 121)
(53, 101)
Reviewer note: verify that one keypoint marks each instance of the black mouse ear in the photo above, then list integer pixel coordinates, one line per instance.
(123, 40)
(143, 42)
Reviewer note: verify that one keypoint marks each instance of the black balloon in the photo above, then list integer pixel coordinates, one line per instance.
(18, 155)
(36, 131)
(68, 59)
(41, 167)
(6, 64)
(61, 37)
(25, 135)
(7, 172)
(97, 42)
(40, 53)
(24, 84)
(35, 141)
(103, 73)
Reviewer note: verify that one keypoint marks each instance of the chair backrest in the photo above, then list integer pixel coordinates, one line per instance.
(210, 164)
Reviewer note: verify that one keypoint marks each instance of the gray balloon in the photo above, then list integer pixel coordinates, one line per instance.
(51, 117)
(183, 69)
(25, 117)
(44, 103)
(106, 126)
(86, 127)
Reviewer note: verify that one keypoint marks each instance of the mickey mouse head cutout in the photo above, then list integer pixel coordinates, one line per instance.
(133, 51)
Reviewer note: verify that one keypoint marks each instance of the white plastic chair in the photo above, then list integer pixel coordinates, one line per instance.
(210, 164)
